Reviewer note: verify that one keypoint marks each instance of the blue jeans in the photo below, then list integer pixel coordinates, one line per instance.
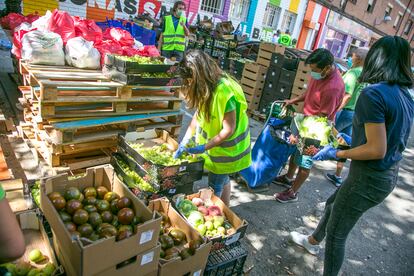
(343, 121)
(217, 182)
(363, 189)
(179, 55)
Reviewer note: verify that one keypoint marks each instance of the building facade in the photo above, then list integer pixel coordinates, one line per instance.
(392, 17)
(258, 19)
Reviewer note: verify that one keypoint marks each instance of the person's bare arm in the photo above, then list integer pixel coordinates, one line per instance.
(345, 101)
(296, 100)
(160, 43)
(186, 30)
(191, 128)
(229, 126)
(375, 148)
(12, 245)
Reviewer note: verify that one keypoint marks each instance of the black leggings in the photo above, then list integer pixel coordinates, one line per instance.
(363, 189)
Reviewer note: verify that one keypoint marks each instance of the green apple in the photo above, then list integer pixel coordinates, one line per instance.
(221, 231)
(209, 225)
(201, 229)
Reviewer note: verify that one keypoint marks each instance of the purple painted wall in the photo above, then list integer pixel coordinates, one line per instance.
(225, 14)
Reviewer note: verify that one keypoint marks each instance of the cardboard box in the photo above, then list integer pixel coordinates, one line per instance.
(193, 265)
(240, 225)
(303, 67)
(36, 238)
(145, 264)
(272, 47)
(104, 254)
(266, 51)
(300, 82)
(297, 91)
(299, 107)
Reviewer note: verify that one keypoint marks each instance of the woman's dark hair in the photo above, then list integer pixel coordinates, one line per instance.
(321, 57)
(178, 3)
(388, 60)
(200, 74)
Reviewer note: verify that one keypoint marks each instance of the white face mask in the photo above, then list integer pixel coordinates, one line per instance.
(180, 13)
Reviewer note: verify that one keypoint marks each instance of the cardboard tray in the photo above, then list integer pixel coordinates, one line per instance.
(145, 263)
(104, 254)
(36, 237)
(134, 67)
(193, 265)
(240, 225)
(185, 172)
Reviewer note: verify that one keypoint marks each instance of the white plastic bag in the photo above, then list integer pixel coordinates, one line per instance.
(43, 48)
(138, 44)
(80, 53)
(42, 22)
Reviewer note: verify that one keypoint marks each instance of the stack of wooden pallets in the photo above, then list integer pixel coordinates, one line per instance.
(73, 116)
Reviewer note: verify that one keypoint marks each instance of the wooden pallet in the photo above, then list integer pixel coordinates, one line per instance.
(147, 102)
(4, 169)
(75, 156)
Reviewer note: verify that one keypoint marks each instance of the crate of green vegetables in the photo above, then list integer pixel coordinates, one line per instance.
(154, 151)
(167, 185)
(147, 79)
(314, 132)
(137, 184)
(139, 64)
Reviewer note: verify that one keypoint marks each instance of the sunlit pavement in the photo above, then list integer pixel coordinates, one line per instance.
(382, 242)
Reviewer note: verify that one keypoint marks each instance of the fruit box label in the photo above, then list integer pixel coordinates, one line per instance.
(182, 168)
(233, 239)
(146, 236)
(147, 258)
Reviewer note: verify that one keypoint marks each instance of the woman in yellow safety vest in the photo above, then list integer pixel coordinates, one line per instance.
(220, 124)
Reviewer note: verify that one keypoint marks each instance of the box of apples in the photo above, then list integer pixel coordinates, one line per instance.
(211, 217)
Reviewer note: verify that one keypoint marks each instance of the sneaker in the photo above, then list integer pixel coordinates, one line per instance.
(283, 181)
(302, 241)
(337, 181)
(286, 196)
(19, 106)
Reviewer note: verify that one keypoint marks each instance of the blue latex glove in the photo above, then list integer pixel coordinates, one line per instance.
(197, 149)
(327, 153)
(346, 137)
(181, 147)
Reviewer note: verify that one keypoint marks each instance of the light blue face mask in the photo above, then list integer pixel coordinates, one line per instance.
(349, 62)
(316, 76)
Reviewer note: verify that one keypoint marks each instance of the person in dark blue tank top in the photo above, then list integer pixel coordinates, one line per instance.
(381, 126)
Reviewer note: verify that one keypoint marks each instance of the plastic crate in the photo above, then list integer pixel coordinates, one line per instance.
(135, 67)
(227, 261)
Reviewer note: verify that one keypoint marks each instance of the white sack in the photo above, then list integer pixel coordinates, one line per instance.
(43, 48)
(80, 53)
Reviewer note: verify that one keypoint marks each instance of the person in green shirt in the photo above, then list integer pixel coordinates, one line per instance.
(12, 244)
(343, 120)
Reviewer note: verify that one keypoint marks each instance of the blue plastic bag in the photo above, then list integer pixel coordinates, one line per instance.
(269, 154)
(145, 36)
